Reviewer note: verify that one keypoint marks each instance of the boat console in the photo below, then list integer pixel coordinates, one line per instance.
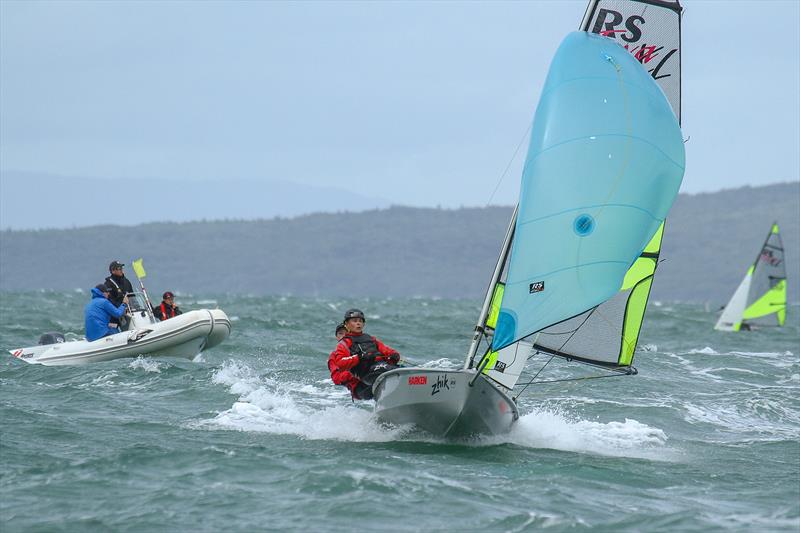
(139, 311)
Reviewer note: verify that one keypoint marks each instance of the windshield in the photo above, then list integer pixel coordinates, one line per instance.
(136, 302)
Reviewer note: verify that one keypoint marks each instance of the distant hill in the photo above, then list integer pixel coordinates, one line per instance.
(399, 251)
(37, 201)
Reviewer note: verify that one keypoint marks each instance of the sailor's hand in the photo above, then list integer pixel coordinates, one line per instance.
(125, 300)
(367, 358)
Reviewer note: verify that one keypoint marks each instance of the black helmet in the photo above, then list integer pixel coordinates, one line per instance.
(354, 313)
(115, 264)
(102, 287)
(340, 327)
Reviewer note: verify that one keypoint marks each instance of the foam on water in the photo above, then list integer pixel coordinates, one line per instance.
(320, 411)
(311, 411)
(146, 364)
(761, 418)
(706, 351)
(442, 363)
(553, 430)
(770, 355)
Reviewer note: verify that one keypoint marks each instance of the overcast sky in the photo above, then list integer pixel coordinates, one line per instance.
(415, 102)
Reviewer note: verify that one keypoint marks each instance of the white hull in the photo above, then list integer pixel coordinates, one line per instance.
(443, 402)
(185, 335)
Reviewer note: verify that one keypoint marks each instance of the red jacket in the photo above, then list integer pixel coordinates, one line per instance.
(341, 361)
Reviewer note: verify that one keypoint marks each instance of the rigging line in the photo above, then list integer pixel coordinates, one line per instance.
(581, 379)
(560, 349)
(534, 377)
(513, 158)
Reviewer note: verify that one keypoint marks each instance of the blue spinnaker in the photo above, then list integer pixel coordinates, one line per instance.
(604, 165)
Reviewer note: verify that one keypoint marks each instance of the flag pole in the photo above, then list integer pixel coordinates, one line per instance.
(138, 269)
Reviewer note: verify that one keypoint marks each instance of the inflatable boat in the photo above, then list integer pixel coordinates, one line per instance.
(186, 335)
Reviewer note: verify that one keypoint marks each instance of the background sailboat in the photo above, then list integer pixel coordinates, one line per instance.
(760, 299)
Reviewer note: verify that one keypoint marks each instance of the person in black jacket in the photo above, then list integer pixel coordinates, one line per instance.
(167, 309)
(120, 287)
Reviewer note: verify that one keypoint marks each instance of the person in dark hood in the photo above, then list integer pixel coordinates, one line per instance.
(341, 331)
(359, 358)
(120, 287)
(167, 309)
(99, 313)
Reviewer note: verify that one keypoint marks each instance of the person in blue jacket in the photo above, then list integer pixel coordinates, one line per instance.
(99, 312)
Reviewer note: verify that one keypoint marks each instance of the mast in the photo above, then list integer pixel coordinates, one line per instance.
(487, 301)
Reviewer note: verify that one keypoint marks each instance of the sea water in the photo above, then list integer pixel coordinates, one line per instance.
(254, 436)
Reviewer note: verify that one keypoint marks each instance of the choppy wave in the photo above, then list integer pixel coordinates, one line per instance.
(554, 430)
(147, 364)
(311, 411)
(704, 437)
(323, 411)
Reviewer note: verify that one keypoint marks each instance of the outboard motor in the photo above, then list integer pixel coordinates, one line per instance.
(52, 337)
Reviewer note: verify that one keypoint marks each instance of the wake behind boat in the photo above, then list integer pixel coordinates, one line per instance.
(604, 165)
(185, 335)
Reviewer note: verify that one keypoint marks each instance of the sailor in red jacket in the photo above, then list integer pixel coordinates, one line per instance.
(352, 361)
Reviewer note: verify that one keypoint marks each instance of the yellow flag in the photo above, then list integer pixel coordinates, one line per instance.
(138, 268)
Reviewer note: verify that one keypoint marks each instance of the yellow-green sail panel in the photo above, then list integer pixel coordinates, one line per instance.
(497, 300)
(773, 301)
(639, 279)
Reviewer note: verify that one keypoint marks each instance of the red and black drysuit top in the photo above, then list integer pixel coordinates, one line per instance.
(353, 357)
(165, 311)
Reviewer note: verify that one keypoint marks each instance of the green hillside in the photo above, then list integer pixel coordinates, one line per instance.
(400, 251)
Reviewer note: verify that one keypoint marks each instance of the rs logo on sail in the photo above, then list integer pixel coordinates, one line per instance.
(608, 19)
(606, 24)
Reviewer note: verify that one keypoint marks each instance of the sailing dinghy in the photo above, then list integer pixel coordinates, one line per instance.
(604, 165)
(760, 299)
